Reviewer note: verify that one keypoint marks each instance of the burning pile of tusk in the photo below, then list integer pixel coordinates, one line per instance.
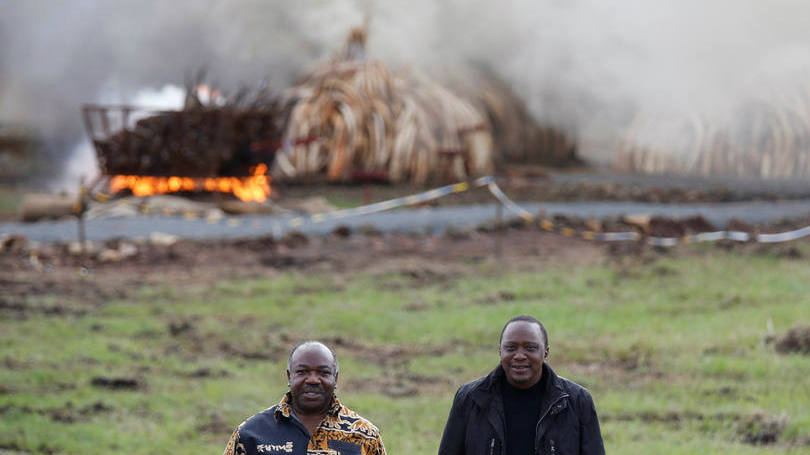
(348, 119)
(370, 121)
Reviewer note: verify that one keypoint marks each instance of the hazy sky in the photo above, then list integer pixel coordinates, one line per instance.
(587, 65)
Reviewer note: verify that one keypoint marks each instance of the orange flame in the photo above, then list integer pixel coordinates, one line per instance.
(253, 188)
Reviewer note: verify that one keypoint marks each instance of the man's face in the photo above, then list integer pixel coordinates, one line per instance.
(523, 353)
(312, 378)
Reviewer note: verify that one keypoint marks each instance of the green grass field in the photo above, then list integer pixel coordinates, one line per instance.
(674, 353)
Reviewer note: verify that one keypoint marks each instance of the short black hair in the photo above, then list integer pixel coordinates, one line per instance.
(525, 318)
(310, 343)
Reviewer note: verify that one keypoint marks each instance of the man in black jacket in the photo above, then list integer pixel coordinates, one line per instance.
(522, 407)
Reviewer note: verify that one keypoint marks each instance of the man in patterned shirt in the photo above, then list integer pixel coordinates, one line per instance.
(309, 420)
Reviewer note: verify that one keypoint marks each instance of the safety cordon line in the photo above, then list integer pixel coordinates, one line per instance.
(739, 236)
(298, 221)
(495, 190)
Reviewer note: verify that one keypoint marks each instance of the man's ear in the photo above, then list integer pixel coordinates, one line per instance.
(288, 377)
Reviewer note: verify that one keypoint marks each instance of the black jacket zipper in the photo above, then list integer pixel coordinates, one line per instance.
(537, 427)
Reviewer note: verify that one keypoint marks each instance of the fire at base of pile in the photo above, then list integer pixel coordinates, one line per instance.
(255, 188)
(201, 148)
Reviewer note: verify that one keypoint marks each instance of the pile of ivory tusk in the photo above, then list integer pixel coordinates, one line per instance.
(518, 137)
(348, 119)
(769, 138)
(367, 121)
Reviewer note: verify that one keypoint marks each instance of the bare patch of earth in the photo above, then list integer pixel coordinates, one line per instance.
(66, 414)
(754, 429)
(33, 274)
(796, 340)
(400, 384)
(84, 281)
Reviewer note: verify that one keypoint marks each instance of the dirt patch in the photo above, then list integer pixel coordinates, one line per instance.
(179, 327)
(755, 429)
(616, 362)
(83, 283)
(270, 351)
(77, 296)
(668, 417)
(611, 372)
(294, 239)
(334, 288)
(12, 449)
(15, 449)
(191, 342)
(416, 305)
(498, 297)
(200, 373)
(796, 339)
(216, 424)
(400, 384)
(387, 355)
(634, 357)
(69, 414)
(19, 310)
(118, 383)
(762, 429)
(66, 414)
(415, 275)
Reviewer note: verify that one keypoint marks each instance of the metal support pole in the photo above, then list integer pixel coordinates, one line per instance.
(79, 209)
(499, 231)
(81, 235)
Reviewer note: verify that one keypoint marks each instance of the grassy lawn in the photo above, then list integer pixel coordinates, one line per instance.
(674, 353)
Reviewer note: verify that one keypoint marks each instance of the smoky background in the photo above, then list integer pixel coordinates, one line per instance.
(588, 67)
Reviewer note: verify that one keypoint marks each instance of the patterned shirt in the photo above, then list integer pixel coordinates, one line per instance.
(277, 431)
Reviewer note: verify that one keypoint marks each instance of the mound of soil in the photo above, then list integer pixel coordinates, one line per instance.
(796, 339)
(761, 429)
(117, 383)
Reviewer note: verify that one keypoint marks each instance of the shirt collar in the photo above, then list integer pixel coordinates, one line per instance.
(284, 407)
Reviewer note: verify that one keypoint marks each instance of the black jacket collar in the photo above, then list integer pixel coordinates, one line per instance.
(487, 396)
(489, 389)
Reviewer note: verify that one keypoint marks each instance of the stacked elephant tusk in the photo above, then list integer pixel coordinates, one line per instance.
(767, 138)
(404, 127)
(347, 119)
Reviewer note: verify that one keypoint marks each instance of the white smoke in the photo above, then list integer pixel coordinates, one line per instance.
(586, 65)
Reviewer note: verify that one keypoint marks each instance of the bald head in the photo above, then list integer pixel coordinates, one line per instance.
(316, 345)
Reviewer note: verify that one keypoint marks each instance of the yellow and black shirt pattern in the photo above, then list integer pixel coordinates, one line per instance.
(277, 431)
